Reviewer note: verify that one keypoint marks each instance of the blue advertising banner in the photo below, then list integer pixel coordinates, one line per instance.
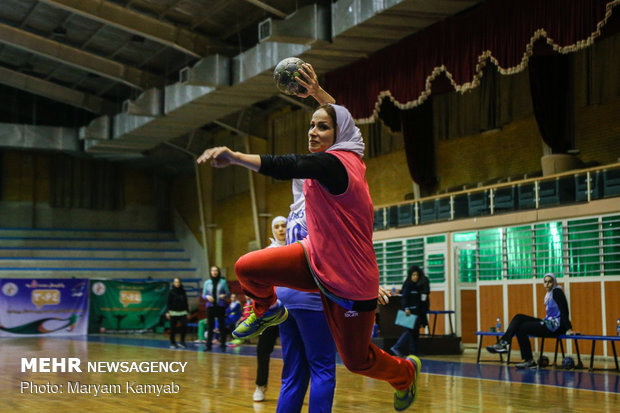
(45, 306)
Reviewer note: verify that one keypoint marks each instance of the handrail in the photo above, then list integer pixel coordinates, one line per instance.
(502, 185)
(525, 194)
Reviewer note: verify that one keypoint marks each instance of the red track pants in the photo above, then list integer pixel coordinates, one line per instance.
(260, 271)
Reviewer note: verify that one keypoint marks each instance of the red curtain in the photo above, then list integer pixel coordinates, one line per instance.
(417, 126)
(502, 28)
(553, 100)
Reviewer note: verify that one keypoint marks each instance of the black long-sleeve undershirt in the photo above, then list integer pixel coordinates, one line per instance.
(324, 167)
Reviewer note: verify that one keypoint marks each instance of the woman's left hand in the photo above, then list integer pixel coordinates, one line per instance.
(384, 295)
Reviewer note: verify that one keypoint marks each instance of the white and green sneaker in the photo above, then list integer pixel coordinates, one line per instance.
(254, 326)
(405, 398)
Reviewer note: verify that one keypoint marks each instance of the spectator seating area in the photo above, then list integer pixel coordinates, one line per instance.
(92, 253)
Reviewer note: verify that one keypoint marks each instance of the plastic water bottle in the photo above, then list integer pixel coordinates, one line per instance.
(498, 327)
(618, 327)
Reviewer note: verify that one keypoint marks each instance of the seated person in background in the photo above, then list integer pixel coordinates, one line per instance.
(245, 313)
(233, 312)
(556, 323)
(202, 327)
(247, 308)
(231, 318)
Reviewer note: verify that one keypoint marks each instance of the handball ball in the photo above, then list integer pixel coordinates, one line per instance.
(285, 73)
(568, 363)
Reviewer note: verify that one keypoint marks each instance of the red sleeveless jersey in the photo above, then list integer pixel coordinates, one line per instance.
(339, 245)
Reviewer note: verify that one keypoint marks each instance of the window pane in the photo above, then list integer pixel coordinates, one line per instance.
(379, 250)
(437, 239)
(414, 252)
(519, 252)
(436, 268)
(467, 266)
(465, 236)
(394, 262)
(583, 248)
(490, 254)
(611, 245)
(548, 249)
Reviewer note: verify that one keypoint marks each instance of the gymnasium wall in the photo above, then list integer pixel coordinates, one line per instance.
(388, 178)
(597, 132)
(25, 176)
(515, 149)
(26, 196)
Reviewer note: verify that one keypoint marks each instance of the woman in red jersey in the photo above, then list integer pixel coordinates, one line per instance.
(337, 258)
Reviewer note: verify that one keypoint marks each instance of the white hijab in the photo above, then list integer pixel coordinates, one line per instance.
(549, 294)
(348, 138)
(274, 241)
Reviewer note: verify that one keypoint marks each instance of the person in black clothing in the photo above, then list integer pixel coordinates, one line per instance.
(414, 300)
(264, 348)
(177, 312)
(556, 323)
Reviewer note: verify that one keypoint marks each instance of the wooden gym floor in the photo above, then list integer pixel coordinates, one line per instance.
(224, 382)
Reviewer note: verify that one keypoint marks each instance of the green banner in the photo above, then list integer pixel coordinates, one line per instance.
(126, 306)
